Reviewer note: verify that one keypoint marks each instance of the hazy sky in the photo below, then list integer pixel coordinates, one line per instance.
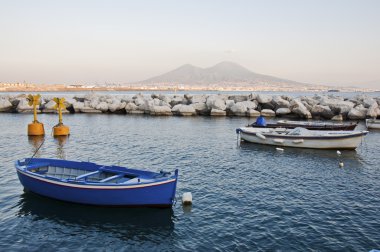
(327, 42)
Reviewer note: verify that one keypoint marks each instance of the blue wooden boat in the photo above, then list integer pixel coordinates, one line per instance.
(93, 184)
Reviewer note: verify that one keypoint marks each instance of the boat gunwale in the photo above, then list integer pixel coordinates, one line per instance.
(95, 186)
(269, 135)
(308, 125)
(147, 177)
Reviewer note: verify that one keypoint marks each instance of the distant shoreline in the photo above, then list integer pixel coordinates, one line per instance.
(153, 89)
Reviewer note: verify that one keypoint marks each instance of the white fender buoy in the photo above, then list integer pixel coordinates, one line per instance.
(341, 164)
(280, 149)
(187, 198)
(277, 140)
(338, 153)
(261, 136)
(298, 141)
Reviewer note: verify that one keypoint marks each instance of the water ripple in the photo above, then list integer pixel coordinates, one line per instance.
(246, 198)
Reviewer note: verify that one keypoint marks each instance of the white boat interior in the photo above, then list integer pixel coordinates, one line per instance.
(99, 176)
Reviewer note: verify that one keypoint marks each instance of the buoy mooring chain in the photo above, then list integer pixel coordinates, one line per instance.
(187, 198)
(35, 128)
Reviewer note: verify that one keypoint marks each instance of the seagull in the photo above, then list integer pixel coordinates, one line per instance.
(339, 153)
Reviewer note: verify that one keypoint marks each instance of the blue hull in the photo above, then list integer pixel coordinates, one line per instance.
(159, 193)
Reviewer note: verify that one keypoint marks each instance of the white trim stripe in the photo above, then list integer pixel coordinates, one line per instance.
(111, 187)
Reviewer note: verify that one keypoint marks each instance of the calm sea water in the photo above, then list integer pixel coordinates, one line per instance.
(245, 198)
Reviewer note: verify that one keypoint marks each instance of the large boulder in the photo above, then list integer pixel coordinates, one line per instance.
(368, 102)
(188, 97)
(216, 102)
(268, 113)
(147, 106)
(132, 108)
(126, 98)
(160, 110)
(102, 106)
(139, 100)
(262, 98)
(90, 110)
(186, 110)
(299, 109)
(94, 102)
(49, 107)
(357, 113)
(198, 99)
(310, 101)
(217, 112)
(78, 106)
(175, 109)
(165, 98)
(177, 100)
(337, 106)
(229, 104)
(283, 111)
(23, 106)
(117, 106)
(5, 105)
(253, 113)
(373, 110)
(322, 111)
(239, 109)
(201, 108)
(280, 103)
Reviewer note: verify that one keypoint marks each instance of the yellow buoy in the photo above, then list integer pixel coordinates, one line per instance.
(60, 129)
(35, 128)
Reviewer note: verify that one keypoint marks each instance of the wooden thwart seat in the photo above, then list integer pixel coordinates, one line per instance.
(111, 178)
(86, 175)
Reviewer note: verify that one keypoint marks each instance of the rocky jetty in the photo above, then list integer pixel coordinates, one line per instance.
(307, 107)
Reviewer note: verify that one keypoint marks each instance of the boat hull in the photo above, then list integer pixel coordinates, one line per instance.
(160, 193)
(342, 142)
(373, 124)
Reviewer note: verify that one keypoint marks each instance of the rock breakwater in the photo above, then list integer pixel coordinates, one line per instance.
(306, 107)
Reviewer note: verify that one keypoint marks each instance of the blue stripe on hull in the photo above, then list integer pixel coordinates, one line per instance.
(160, 195)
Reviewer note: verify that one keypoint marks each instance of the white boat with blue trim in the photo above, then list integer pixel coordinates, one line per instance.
(302, 138)
(372, 123)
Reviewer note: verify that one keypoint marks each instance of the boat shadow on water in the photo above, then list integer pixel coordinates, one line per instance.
(122, 221)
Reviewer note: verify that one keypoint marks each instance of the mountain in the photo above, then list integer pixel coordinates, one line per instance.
(222, 73)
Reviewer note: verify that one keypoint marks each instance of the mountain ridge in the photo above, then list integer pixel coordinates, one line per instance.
(225, 72)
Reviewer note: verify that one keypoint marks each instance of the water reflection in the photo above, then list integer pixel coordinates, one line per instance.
(36, 143)
(60, 142)
(122, 222)
(297, 151)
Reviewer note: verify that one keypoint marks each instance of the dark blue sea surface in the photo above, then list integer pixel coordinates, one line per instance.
(245, 198)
